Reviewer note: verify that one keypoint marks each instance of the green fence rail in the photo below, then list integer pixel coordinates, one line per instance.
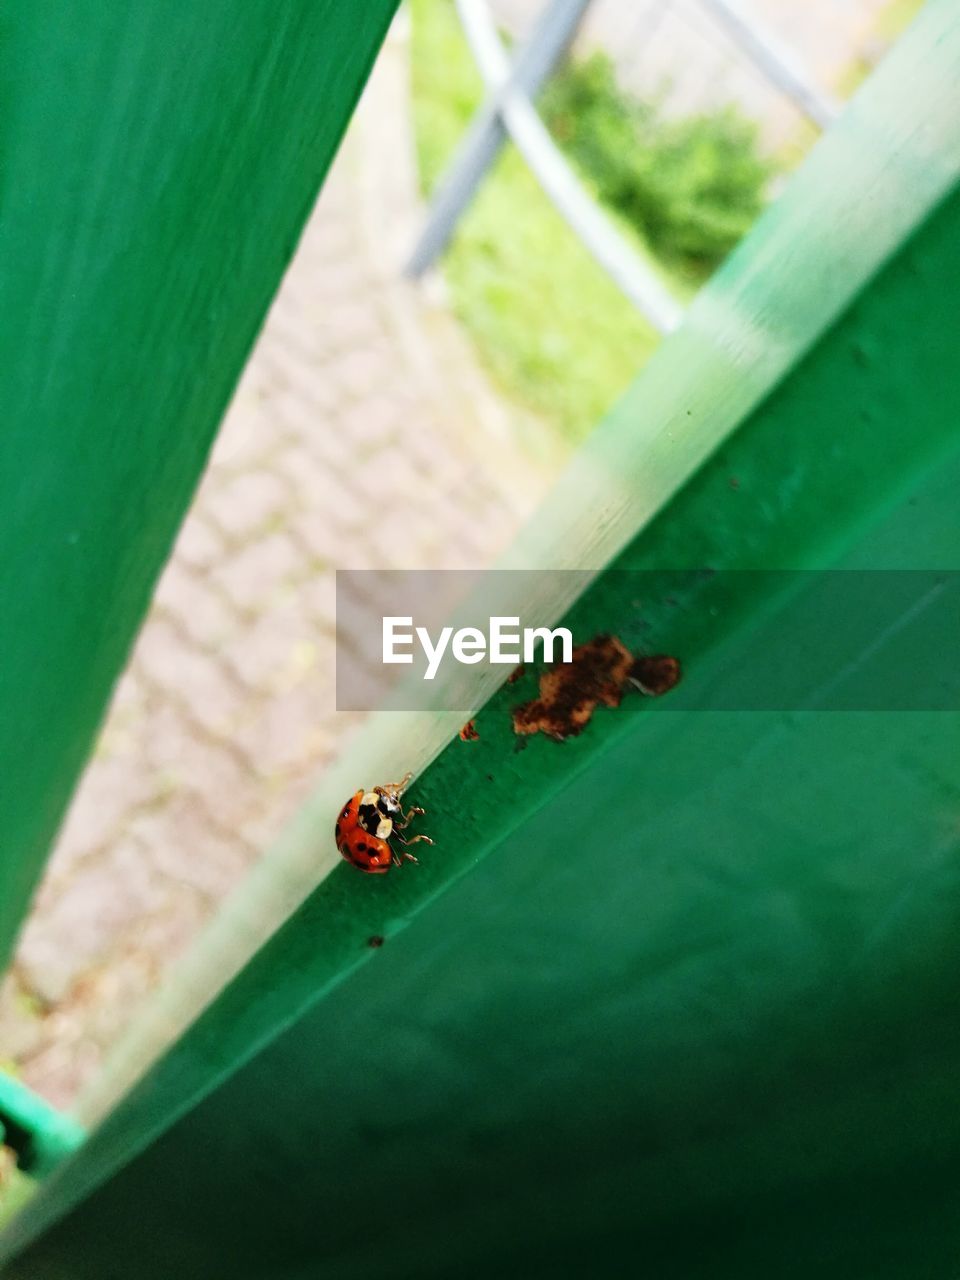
(41, 1136)
(720, 1039)
(159, 161)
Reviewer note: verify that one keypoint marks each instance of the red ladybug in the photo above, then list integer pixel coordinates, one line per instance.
(368, 821)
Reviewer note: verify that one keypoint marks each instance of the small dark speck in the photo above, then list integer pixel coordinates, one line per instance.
(489, 777)
(733, 482)
(520, 745)
(375, 941)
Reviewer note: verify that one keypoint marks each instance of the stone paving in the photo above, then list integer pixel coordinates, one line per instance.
(225, 715)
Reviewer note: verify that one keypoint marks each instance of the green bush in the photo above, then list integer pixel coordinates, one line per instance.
(691, 186)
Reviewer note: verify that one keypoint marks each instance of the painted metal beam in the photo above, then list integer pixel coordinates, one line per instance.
(159, 161)
(802, 266)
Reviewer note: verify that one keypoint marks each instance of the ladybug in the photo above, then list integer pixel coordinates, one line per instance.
(368, 821)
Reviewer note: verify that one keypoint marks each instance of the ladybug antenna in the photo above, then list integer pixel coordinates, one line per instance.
(394, 788)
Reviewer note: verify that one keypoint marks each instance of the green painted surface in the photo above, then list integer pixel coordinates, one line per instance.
(159, 160)
(41, 1135)
(722, 1041)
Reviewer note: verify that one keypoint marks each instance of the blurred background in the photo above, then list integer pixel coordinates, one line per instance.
(391, 422)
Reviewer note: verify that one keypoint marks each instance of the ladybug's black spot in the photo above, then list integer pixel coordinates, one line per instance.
(361, 846)
(337, 831)
(369, 818)
(345, 814)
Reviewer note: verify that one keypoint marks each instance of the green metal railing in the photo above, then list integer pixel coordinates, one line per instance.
(719, 1041)
(41, 1136)
(159, 161)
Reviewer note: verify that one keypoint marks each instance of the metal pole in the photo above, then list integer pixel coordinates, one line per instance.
(508, 109)
(776, 63)
(538, 57)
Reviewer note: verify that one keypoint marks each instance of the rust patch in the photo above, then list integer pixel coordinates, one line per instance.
(469, 732)
(655, 675)
(600, 672)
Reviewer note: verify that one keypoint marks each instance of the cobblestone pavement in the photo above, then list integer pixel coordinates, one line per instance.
(225, 715)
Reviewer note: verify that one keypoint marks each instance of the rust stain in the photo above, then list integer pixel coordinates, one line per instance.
(655, 675)
(598, 675)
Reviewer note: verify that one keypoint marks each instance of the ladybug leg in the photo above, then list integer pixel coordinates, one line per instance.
(408, 818)
(395, 788)
(413, 839)
(404, 842)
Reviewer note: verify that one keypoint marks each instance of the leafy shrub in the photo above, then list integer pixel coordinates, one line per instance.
(692, 186)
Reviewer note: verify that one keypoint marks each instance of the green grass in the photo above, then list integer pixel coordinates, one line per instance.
(552, 330)
(15, 1190)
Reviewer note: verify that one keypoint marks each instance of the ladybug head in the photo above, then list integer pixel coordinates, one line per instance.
(388, 802)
